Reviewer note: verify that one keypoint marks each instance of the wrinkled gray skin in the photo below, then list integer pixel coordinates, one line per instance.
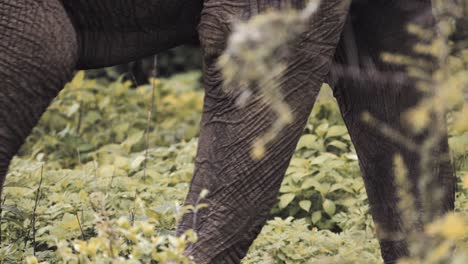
(43, 41)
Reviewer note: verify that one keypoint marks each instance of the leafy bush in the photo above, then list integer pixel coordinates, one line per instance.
(292, 241)
(323, 178)
(89, 200)
(91, 114)
(90, 148)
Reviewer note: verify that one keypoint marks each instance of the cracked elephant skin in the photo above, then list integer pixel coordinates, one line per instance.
(43, 41)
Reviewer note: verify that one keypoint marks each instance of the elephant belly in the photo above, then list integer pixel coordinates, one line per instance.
(119, 31)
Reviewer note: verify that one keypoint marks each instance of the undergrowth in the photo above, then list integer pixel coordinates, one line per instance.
(97, 205)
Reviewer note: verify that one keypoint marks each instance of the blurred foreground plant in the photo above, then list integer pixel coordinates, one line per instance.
(445, 89)
(253, 62)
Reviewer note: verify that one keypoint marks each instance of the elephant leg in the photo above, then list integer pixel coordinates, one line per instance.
(243, 190)
(362, 83)
(38, 51)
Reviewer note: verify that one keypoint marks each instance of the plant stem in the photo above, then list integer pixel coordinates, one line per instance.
(147, 132)
(1, 211)
(79, 224)
(33, 221)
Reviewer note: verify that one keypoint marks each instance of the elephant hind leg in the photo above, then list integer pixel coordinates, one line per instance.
(362, 82)
(38, 52)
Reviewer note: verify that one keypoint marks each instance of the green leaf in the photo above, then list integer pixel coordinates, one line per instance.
(339, 145)
(286, 199)
(316, 216)
(300, 163)
(85, 148)
(297, 176)
(306, 141)
(459, 144)
(351, 156)
(329, 207)
(323, 188)
(106, 171)
(336, 131)
(305, 204)
(133, 139)
(121, 162)
(320, 159)
(92, 117)
(137, 162)
(78, 80)
(321, 130)
(310, 182)
(73, 109)
(289, 188)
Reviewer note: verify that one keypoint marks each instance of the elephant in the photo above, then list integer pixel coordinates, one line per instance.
(42, 42)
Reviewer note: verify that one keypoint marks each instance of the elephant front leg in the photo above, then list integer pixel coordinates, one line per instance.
(243, 190)
(38, 50)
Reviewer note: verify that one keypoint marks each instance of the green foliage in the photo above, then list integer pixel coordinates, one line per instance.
(323, 179)
(91, 144)
(89, 115)
(292, 241)
(90, 201)
(66, 209)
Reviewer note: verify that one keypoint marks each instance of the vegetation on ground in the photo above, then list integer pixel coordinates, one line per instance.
(85, 190)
